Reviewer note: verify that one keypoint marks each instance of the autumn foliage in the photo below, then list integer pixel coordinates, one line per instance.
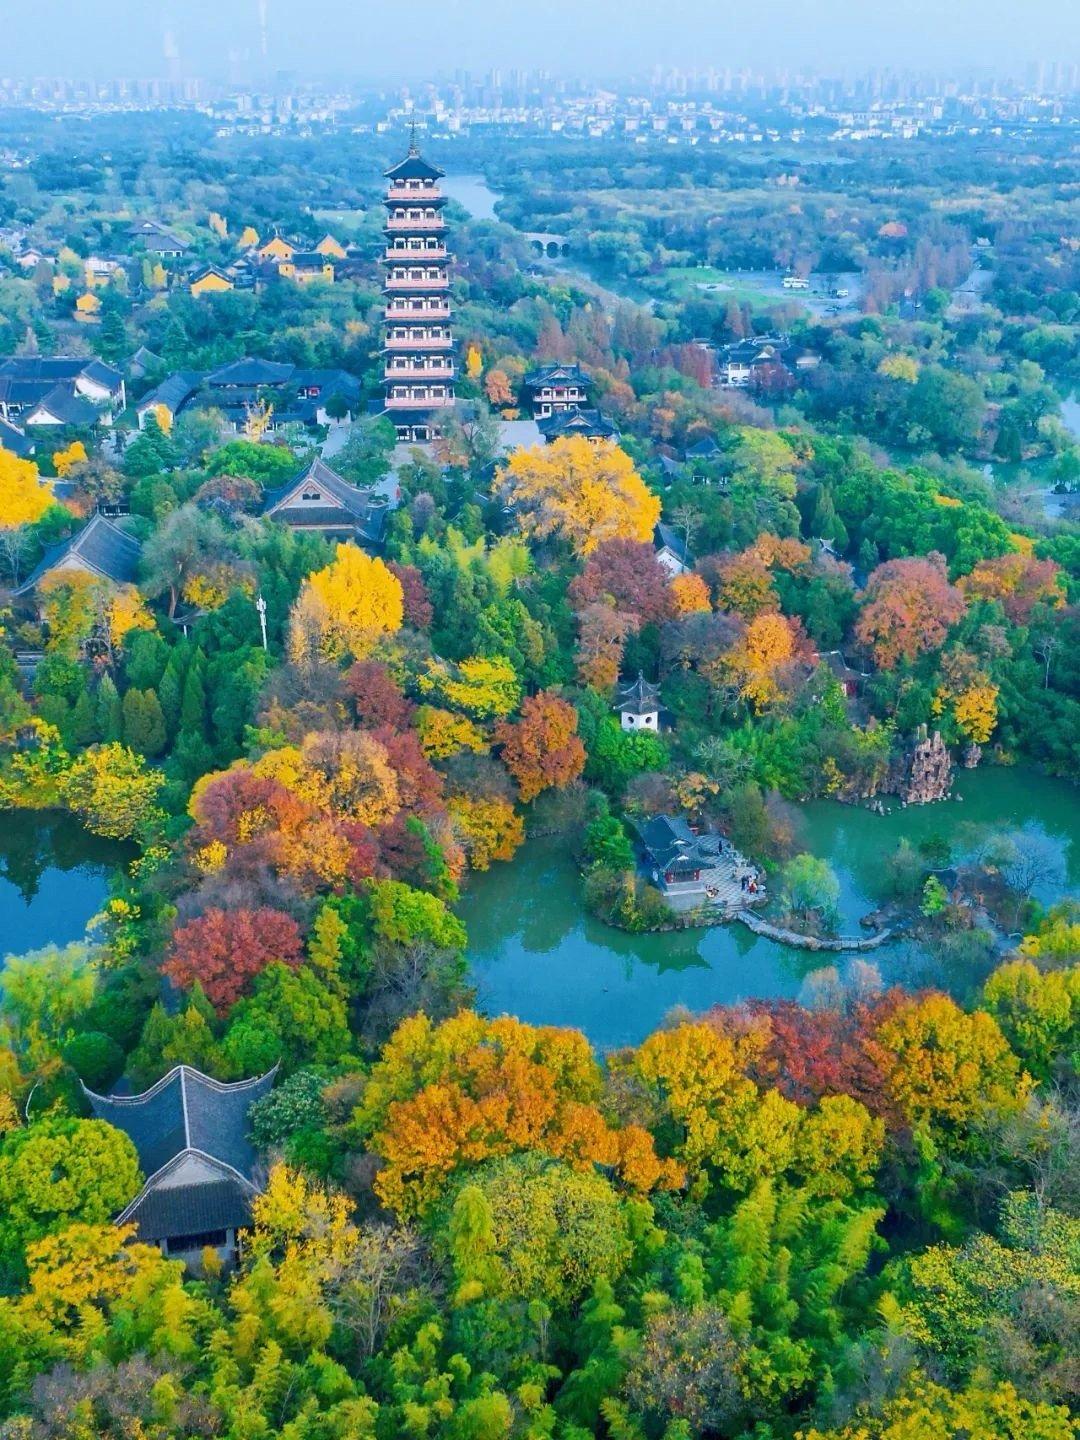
(1020, 582)
(909, 609)
(543, 748)
(579, 492)
(223, 951)
(24, 497)
(342, 610)
(627, 573)
(445, 1096)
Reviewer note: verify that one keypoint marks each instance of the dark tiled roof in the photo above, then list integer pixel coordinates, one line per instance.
(355, 508)
(142, 360)
(639, 695)
(102, 374)
(186, 1110)
(673, 846)
(251, 372)
(666, 537)
(26, 379)
(102, 547)
(164, 1212)
(577, 422)
(14, 441)
(704, 449)
(414, 167)
(330, 382)
(173, 392)
(557, 375)
(311, 259)
(756, 349)
(65, 405)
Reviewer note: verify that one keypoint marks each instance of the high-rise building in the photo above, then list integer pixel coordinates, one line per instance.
(419, 366)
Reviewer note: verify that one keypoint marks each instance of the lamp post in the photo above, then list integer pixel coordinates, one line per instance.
(260, 606)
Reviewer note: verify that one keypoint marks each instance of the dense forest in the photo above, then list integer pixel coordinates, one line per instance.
(853, 1217)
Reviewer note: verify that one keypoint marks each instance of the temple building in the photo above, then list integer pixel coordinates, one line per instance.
(191, 1135)
(319, 500)
(638, 705)
(100, 549)
(589, 425)
(693, 869)
(557, 387)
(419, 365)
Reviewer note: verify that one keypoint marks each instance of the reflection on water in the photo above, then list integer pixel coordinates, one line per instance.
(54, 876)
(536, 954)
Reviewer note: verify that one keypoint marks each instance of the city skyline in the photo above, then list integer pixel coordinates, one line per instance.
(597, 39)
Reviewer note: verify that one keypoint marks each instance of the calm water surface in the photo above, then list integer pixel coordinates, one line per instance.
(535, 953)
(54, 876)
(474, 194)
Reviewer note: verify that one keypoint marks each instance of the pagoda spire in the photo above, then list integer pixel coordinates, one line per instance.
(414, 149)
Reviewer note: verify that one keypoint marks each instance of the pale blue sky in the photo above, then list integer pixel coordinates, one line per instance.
(396, 38)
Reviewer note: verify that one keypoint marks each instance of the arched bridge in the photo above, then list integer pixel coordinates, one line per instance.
(545, 243)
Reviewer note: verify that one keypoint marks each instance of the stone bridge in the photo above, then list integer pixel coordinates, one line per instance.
(547, 244)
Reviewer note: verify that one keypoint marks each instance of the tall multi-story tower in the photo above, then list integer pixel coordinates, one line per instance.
(419, 366)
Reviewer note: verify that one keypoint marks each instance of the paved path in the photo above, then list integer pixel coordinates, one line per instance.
(810, 942)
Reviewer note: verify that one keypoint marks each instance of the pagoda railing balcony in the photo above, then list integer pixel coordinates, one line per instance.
(433, 252)
(432, 224)
(419, 402)
(426, 342)
(419, 373)
(423, 312)
(402, 192)
(417, 286)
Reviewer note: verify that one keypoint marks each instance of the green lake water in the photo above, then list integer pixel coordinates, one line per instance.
(535, 953)
(54, 876)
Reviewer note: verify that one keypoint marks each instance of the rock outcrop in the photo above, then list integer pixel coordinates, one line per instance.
(923, 773)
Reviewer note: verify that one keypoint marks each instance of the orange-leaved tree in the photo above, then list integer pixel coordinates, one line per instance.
(770, 642)
(579, 492)
(442, 1097)
(543, 748)
(602, 634)
(1020, 582)
(909, 608)
(689, 594)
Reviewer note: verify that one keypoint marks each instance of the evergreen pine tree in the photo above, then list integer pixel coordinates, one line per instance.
(110, 717)
(156, 736)
(84, 723)
(170, 691)
(193, 704)
(827, 522)
(144, 724)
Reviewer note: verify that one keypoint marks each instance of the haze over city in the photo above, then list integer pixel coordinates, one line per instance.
(597, 38)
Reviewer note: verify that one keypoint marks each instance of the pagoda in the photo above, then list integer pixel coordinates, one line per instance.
(419, 365)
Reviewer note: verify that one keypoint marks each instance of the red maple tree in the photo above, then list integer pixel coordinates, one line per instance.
(224, 950)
